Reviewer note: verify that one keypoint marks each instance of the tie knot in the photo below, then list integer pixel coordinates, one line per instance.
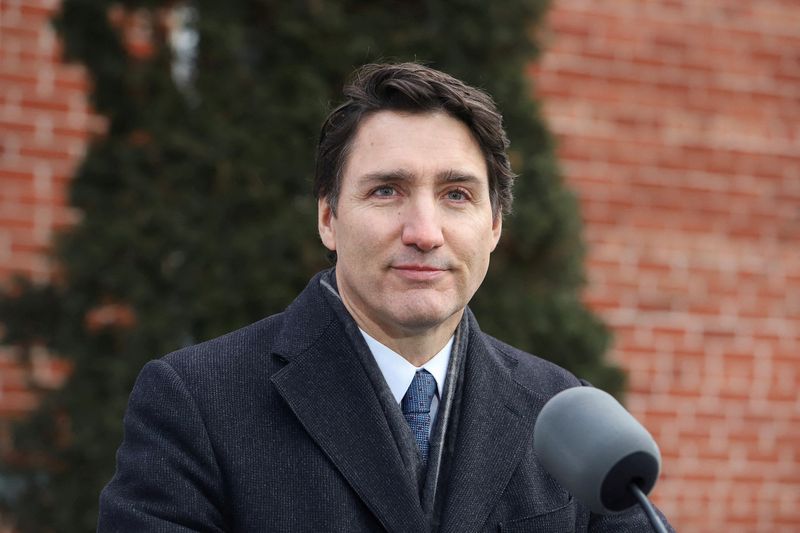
(420, 393)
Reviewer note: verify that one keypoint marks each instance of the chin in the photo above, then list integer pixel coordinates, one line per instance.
(423, 318)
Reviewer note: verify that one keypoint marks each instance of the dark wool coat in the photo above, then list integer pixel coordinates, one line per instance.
(277, 427)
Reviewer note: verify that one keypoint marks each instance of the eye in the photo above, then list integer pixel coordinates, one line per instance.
(457, 195)
(385, 190)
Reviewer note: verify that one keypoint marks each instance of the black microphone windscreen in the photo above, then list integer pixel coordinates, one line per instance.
(595, 449)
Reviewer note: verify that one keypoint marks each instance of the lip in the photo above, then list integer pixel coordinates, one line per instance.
(416, 272)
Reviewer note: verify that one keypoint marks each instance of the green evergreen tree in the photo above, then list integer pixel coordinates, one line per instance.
(198, 216)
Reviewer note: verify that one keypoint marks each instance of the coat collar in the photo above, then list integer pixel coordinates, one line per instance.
(329, 391)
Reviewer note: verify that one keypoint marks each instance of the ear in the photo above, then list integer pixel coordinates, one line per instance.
(325, 220)
(497, 229)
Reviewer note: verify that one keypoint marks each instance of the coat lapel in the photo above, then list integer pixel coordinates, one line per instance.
(329, 391)
(495, 428)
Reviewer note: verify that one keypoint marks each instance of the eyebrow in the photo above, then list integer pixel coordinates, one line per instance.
(455, 176)
(383, 176)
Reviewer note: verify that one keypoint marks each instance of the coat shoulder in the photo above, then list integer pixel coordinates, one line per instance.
(535, 373)
(235, 350)
(283, 335)
(257, 337)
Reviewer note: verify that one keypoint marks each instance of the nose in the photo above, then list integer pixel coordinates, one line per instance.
(422, 227)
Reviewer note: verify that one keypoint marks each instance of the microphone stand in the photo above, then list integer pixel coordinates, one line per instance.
(647, 507)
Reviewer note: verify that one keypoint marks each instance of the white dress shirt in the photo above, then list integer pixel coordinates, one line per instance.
(399, 373)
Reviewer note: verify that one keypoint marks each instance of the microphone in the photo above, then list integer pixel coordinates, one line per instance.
(597, 451)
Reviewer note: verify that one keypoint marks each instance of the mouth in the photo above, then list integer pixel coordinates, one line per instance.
(417, 272)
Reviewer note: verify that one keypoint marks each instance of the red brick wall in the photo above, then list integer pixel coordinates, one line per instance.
(44, 126)
(679, 126)
(679, 129)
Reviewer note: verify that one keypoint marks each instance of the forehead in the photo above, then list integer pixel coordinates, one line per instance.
(419, 144)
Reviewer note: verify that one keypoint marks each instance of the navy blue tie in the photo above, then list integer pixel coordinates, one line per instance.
(416, 407)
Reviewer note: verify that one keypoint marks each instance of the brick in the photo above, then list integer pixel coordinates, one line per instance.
(39, 13)
(16, 403)
(51, 103)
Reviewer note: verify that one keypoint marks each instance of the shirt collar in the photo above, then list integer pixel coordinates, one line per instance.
(399, 373)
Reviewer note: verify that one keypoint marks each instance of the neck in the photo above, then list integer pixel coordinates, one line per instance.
(417, 350)
(417, 346)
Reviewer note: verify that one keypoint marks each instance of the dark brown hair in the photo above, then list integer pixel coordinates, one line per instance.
(415, 88)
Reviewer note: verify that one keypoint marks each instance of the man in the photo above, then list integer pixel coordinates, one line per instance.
(374, 402)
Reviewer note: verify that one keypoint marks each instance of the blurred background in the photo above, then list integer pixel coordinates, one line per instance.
(136, 190)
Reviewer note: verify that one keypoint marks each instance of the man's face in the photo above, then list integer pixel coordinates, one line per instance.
(414, 227)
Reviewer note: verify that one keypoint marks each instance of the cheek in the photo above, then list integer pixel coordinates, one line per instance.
(359, 245)
(474, 243)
